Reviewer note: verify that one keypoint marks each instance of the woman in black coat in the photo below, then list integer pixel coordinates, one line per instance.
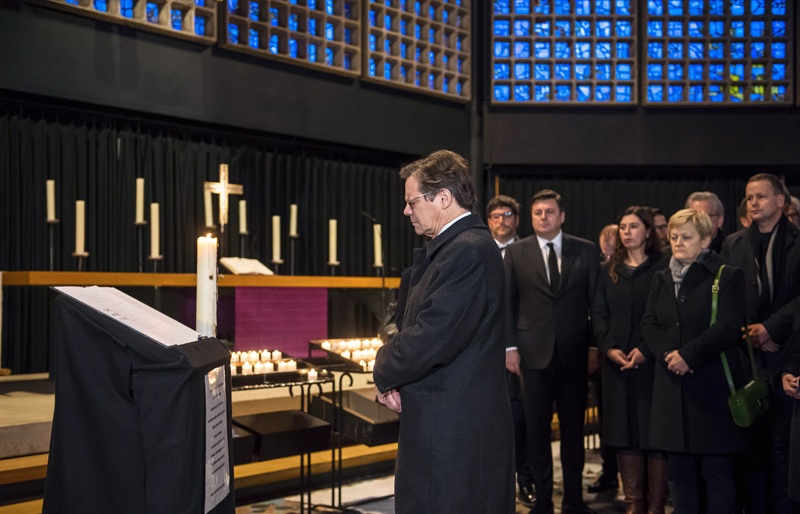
(689, 417)
(622, 293)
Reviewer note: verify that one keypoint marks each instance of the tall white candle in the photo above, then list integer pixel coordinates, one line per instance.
(376, 232)
(243, 216)
(206, 312)
(207, 206)
(276, 239)
(139, 200)
(293, 220)
(80, 227)
(332, 226)
(155, 231)
(51, 200)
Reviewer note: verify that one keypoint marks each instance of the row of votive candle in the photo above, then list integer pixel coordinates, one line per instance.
(358, 355)
(367, 366)
(351, 344)
(254, 356)
(263, 367)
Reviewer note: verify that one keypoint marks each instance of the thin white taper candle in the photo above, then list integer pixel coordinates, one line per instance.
(51, 200)
(155, 231)
(139, 200)
(80, 227)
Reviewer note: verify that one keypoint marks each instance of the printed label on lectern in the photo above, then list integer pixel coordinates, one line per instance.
(218, 477)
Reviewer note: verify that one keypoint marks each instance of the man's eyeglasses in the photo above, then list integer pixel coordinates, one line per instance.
(501, 215)
(414, 200)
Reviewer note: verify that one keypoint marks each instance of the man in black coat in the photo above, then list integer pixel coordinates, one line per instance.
(550, 280)
(769, 253)
(444, 369)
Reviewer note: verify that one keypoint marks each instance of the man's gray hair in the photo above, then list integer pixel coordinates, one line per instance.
(706, 196)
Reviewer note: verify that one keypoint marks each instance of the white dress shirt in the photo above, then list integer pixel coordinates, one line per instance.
(558, 245)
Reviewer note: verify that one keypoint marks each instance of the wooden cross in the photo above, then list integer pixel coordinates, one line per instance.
(223, 189)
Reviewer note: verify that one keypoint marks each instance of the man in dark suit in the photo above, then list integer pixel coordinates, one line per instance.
(444, 369)
(550, 281)
(769, 253)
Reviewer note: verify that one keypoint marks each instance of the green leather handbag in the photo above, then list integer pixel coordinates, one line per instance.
(750, 402)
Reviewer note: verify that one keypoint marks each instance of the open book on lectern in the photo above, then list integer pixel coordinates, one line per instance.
(132, 313)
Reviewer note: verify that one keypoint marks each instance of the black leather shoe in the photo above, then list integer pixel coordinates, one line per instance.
(603, 483)
(540, 508)
(577, 509)
(526, 495)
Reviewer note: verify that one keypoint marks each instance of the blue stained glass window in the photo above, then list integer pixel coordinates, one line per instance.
(540, 48)
(418, 31)
(562, 50)
(459, 42)
(541, 72)
(582, 8)
(736, 72)
(432, 12)
(654, 29)
(778, 28)
(624, 93)
(403, 50)
(329, 10)
(458, 84)
(779, 93)
(329, 56)
(522, 71)
(583, 28)
(695, 93)
(655, 7)
(199, 25)
(757, 50)
(542, 7)
(151, 13)
(348, 11)
(716, 71)
(445, 59)
(737, 29)
(716, 7)
(502, 93)
(329, 31)
(387, 70)
(460, 66)
(716, 50)
(655, 50)
(387, 46)
(253, 11)
(563, 71)
(675, 29)
(563, 93)
(696, 50)
(501, 49)
(675, 50)
(737, 50)
(126, 9)
(253, 38)
(522, 28)
(445, 84)
(373, 43)
(73, 2)
(101, 5)
(372, 68)
(373, 18)
(736, 93)
(603, 50)
(502, 28)
(417, 78)
(757, 94)
(348, 36)
(233, 29)
(603, 93)
(696, 72)
(655, 93)
(757, 7)
(623, 50)
(522, 93)
(445, 16)
(624, 72)
(292, 21)
(418, 8)
(603, 7)
(541, 28)
(675, 7)
(716, 28)
(312, 53)
(623, 28)
(737, 7)
(501, 7)
(583, 50)
(293, 48)
(418, 54)
(757, 72)
(779, 50)
(404, 28)
(603, 28)
(583, 71)
(696, 29)
(757, 28)
(522, 6)
(432, 58)
(675, 72)
(403, 72)
(502, 71)
(387, 22)
(583, 92)
(778, 7)
(696, 7)
(778, 71)
(562, 28)
(603, 71)
(312, 4)
(273, 44)
(563, 7)
(542, 93)
(675, 93)
(623, 7)
(654, 71)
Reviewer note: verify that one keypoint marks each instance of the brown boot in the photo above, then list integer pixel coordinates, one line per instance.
(657, 489)
(631, 469)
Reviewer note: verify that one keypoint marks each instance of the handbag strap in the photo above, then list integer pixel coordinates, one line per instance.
(714, 305)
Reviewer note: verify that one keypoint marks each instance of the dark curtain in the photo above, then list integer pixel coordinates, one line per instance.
(97, 158)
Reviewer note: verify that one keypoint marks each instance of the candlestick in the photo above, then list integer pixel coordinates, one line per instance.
(292, 250)
(155, 231)
(207, 206)
(51, 200)
(378, 248)
(276, 240)
(139, 200)
(206, 312)
(293, 220)
(243, 216)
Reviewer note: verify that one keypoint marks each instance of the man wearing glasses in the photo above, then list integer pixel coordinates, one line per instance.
(709, 203)
(444, 369)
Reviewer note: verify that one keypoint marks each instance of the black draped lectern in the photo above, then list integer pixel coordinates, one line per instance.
(139, 426)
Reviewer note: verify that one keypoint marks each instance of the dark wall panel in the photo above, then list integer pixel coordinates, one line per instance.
(60, 55)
